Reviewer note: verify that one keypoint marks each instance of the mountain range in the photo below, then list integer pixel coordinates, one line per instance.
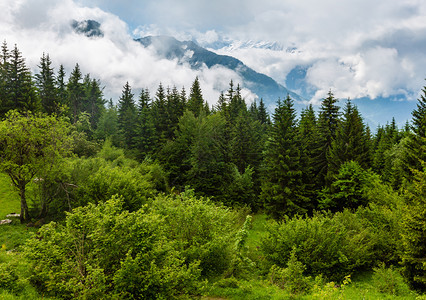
(197, 57)
(379, 111)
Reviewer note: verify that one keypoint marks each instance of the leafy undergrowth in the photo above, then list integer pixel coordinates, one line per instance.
(382, 283)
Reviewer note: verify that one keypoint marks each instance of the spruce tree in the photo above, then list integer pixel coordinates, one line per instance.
(328, 120)
(94, 103)
(281, 188)
(195, 100)
(236, 104)
(46, 85)
(127, 116)
(417, 139)
(175, 109)
(160, 116)
(145, 130)
(308, 136)
(75, 93)
(61, 86)
(351, 141)
(5, 101)
(19, 83)
(263, 114)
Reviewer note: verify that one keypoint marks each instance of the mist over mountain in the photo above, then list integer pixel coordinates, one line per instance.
(196, 56)
(89, 28)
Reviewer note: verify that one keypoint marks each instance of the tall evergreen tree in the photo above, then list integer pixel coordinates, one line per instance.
(281, 189)
(127, 116)
(236, 104)
(19, 83)
(5, 101)
(417, 139)
(94, 103)
(328, 120)
(308, 136)
(75, 93)
(195, 100)
(145, 130)
(61, 86)
(160, 116)
(46, 84)
(263, 114)
(175, 109)
(351, 141)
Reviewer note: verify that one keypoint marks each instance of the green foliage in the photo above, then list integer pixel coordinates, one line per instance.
(281, 189)
(350, 142)
(389, 280)
(201, 230)
(104, 251)
(31, 145)
(330, 245)
(349, 188)
(127, 117)
(414, 232)
(290, 278)
(328, 121)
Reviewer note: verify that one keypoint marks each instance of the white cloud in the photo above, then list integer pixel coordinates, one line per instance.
(114, 59)
(356, 48)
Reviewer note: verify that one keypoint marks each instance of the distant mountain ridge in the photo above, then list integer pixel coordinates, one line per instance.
(196, 56)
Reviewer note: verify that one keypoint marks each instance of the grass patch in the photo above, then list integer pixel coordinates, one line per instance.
(9, 198)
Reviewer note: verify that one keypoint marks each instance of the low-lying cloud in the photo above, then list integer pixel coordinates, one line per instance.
(114, 58)
(355, 48)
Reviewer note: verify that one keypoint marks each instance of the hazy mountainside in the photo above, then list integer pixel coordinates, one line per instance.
(89, 28)
(189, 52)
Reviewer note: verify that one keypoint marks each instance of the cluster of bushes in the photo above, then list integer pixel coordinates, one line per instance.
(162, 250)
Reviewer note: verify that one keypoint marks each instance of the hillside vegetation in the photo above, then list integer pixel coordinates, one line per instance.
(169, 198)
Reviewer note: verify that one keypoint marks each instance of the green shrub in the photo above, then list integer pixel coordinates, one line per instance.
(201, 230)
(104, 251)
(325, 244)
(389, 281)
(291, 278)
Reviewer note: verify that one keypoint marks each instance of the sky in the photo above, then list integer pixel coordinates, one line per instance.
(375, 50)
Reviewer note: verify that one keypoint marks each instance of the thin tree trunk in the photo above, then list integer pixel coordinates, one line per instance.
(24, 207)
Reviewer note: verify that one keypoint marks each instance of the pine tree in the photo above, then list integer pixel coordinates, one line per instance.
(94, 103)
(417, 139)
(281, 188)
(195, 100)
(327, 128)
(263, 114)
(127, 116)
(61, 86)
(5, 101)
(46, 84)
(351, 141)
(160, 116)
(308, 136)
(19, 83)
(222, 103)
(145, 130)
(75, 93)
(236, 104)
(175, 109)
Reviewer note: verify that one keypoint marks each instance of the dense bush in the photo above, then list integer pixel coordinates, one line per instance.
(105, 251)
(201, 230)
(330, 245)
